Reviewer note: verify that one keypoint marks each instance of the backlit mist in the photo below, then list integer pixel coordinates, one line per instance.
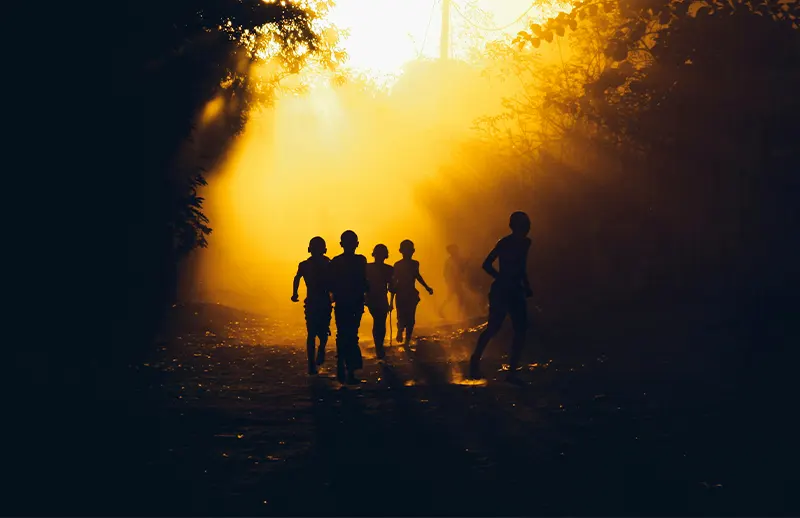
(347, 157)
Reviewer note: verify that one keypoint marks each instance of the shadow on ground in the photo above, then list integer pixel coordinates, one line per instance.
(217, 423)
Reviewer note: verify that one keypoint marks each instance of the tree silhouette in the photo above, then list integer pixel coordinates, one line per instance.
(657, 164)
(170, 60)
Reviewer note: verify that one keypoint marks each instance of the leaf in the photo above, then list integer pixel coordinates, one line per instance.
(616, 50)
(702, 11)
(610, 78)
(625, 68)
(681, 8)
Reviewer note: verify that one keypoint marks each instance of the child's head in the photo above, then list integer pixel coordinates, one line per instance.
(407, 248)
(520, 223)
(452, 250)
(349, 241)
(380, 253)
(317, 246)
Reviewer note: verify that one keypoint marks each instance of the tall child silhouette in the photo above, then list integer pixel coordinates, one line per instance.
(406, 275)
(379, 277)
(508, 293)
(315, 271)
(348, 288)
(454, 268)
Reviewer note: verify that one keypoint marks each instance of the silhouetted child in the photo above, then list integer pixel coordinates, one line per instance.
(454, 279)
(509, 291)
(379, 278)
(406, 296)
(348, 288)
(316, 272)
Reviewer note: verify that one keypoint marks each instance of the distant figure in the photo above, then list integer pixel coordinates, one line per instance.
(348, 287)
(508, 292)
(454, 268)
(379, 278)
(406, 274)
(315, 271)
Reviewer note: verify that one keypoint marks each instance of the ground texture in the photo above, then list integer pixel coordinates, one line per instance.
(223, 420)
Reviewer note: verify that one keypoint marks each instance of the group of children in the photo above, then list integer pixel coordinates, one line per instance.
(347, 283)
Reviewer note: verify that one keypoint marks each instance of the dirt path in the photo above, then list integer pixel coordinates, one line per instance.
(225, 426)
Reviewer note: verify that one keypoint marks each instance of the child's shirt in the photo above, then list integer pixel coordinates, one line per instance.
(454, 271)
(406, 272)
(512, 253)
(315, 271)
(379, 278)
(349, 279)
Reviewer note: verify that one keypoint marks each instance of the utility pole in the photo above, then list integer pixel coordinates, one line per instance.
(444, 43)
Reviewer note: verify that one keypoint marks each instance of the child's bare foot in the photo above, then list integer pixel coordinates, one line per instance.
(475, 368)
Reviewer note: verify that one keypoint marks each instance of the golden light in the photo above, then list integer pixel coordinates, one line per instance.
(384, 35)
(337, 158)
(212, 109)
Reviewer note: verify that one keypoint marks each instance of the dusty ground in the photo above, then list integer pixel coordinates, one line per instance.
(217, 423)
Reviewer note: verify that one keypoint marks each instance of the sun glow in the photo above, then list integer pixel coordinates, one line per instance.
(212, 109)
(384, 35)
(347, 157)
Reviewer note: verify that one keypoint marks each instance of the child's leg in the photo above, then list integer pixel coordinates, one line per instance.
(402, 317)
(323, 341)
(518, 311)
(341, 347)
(323, 331)
(412, 318)
(310, 342)
(446, 302)
(497, 313)
(378, 329)
(349, 358)
(496, 317)
(311, 331)
(399, 337)
(357, 360)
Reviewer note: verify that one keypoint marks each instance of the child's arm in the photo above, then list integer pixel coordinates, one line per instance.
(296, 284)
(422, 281)
(488, 263)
